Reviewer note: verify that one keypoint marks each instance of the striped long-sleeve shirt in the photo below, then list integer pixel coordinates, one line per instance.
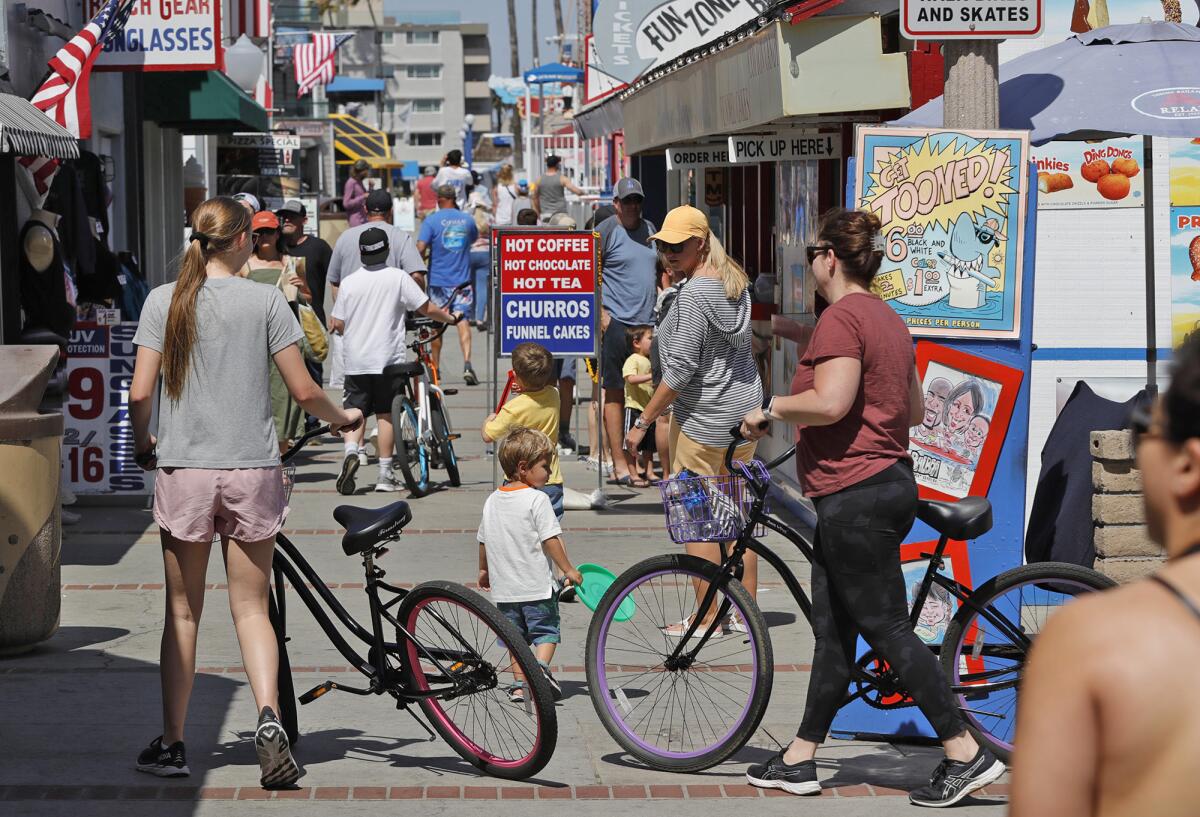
(705, 347)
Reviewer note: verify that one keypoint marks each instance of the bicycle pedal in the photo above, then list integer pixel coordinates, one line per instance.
(449, 392)
(452, 437)
(317, 692)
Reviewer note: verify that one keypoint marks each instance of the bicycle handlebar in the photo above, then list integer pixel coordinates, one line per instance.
(736, 433)
(300, 443)
(425, 331)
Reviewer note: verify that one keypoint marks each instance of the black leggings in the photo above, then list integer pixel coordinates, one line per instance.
(858, 588)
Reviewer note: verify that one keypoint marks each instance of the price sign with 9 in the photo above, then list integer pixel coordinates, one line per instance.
(87, 396)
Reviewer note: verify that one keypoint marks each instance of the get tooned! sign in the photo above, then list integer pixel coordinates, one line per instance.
(971, 19)
(547, 290)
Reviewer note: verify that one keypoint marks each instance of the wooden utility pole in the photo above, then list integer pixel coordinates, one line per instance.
(515, 69)
(971, 97)
(537, 44)
(558, 24)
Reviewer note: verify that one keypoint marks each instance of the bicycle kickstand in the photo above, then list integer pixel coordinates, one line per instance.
(403, 705)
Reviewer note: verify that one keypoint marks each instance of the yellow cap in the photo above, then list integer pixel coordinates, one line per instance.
(681, 224)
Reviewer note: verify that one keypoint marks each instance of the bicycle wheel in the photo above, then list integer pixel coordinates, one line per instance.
(987, 643)
(441, 431)
(482, 656)
(410, 456)
(677, 716)
(287, 691)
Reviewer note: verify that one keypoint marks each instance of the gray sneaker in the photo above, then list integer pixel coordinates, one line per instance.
(279, 768)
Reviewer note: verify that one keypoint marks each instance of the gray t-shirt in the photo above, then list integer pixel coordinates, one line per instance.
(402, 252)
(628, 261)
(223, 418)
(551, 196)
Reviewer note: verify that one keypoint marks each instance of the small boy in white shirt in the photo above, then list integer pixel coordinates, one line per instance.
(519, 541)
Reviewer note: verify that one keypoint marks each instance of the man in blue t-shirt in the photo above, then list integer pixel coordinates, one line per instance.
(448, 235)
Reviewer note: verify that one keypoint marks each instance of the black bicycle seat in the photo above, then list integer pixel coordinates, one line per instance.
(968, 518)
(368, 527)
(413, 367)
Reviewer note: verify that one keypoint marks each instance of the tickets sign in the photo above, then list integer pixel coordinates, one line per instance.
(548, 290)
(97, 448)
(164, 35)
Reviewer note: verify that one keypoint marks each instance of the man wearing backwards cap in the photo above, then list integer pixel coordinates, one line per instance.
(369, 314)
(402, 252)
(448, 235)
(628, 293)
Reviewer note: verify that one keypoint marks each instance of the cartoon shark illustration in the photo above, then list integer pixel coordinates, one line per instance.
(968, 259)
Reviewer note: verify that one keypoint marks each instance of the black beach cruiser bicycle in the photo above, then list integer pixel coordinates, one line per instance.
(687, 701)
(439, 646)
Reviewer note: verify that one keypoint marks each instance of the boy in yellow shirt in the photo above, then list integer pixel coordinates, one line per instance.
(535, 407)
(638, 391)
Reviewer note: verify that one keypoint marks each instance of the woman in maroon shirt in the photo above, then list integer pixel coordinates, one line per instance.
(854, 397)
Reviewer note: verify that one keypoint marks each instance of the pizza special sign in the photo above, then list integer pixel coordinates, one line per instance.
(165, 35)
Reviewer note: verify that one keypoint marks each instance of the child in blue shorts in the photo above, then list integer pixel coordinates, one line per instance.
(519, 541)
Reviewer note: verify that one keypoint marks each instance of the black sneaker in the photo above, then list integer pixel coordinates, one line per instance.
(170, 761)
(469, 375)
(345, 481)
(555, 687)
(953, 780)
(279, 769)
(566, 443)
(800, 778)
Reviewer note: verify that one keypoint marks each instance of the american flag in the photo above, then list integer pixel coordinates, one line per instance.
(64, 95)
(250, 17)
(314, 61)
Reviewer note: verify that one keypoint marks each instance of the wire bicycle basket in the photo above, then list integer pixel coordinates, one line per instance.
(709, 508)
(289, 479)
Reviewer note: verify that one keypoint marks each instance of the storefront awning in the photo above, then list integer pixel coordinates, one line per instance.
(354, 139)
(355, 85)
(822, 65)
(600, 119)
(201, 102)
(26, 131)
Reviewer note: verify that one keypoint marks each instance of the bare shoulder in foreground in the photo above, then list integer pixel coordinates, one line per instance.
(1109, 712)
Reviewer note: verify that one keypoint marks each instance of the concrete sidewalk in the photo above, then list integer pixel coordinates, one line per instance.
(76, 712)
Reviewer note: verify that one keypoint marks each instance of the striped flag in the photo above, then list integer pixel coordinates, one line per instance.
(64, 96)
(315, 60)
(250, 17)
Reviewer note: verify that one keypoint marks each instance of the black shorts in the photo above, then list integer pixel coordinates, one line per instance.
(614, 348)
(631, 416)
(369, 393)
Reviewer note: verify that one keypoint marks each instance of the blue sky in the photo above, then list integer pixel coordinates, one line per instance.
(495, 14)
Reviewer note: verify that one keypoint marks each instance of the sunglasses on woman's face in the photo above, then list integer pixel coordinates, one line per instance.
(266, 232)
(813, 250)
(664, 247)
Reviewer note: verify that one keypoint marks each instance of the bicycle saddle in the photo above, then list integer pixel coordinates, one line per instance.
(413, 367)
(367, 527)
(967, 518)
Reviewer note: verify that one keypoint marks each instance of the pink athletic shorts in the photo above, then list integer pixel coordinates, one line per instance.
(246, 504)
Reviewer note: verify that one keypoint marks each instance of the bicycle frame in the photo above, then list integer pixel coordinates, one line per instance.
(731, 567)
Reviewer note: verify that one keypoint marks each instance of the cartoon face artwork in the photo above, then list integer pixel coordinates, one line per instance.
(976, 435)
(961, 405)
(935, 400)
(937, 610)
(971, 273)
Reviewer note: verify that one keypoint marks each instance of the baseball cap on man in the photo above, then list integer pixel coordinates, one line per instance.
(292, 207)
(681, 224)
(446, 191)
(627, 187)
(248, 198)
(379, 201)
(373, 246)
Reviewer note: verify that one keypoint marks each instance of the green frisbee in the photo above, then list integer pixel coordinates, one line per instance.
(596, 581)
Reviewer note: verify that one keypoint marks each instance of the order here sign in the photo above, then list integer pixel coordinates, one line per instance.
(548, 290)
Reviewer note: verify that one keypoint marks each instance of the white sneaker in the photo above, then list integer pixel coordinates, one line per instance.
(65, 495)
(362, 457)
(388, 485)
(69, 517)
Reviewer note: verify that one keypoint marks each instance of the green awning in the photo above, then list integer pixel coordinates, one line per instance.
(201, 102)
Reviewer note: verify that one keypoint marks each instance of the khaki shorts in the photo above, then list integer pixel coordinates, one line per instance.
(700, 459)
(244, 504)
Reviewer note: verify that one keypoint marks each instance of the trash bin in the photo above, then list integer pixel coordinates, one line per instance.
(30, 529)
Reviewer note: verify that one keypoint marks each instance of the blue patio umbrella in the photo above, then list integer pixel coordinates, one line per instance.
(553, 72)
(1116, 81)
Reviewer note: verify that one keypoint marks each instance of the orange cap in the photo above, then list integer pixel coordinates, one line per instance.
(266, 220)
(681, 224)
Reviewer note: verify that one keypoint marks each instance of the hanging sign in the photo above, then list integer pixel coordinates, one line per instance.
(274, 154)
(164, 35)
(690, 156)
(548, 290)
(952, 204)
(972, 20)
(786, 146)
(97, 450)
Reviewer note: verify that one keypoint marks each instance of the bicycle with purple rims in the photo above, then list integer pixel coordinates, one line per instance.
(683, 683)
(439, 647)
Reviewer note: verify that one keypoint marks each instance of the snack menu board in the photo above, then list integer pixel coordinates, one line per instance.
(952, 206)
(1090, 175)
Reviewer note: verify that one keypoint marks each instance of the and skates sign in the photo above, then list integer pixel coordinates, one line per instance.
(971, 19)
(548, 290)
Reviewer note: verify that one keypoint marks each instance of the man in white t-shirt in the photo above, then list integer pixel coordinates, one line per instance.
(369, 314)
(457, 176)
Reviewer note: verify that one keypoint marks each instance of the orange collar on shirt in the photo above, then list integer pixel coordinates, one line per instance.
(513, 486)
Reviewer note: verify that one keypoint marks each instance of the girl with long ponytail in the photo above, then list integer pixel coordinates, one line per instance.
(211, 335)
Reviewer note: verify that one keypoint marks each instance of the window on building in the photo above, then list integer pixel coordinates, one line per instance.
(422, 37)
(421, 71)
(427, 106)
(387, 38)
(424, 140)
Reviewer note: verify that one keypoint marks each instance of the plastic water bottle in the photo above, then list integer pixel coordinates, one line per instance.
(676, 513)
